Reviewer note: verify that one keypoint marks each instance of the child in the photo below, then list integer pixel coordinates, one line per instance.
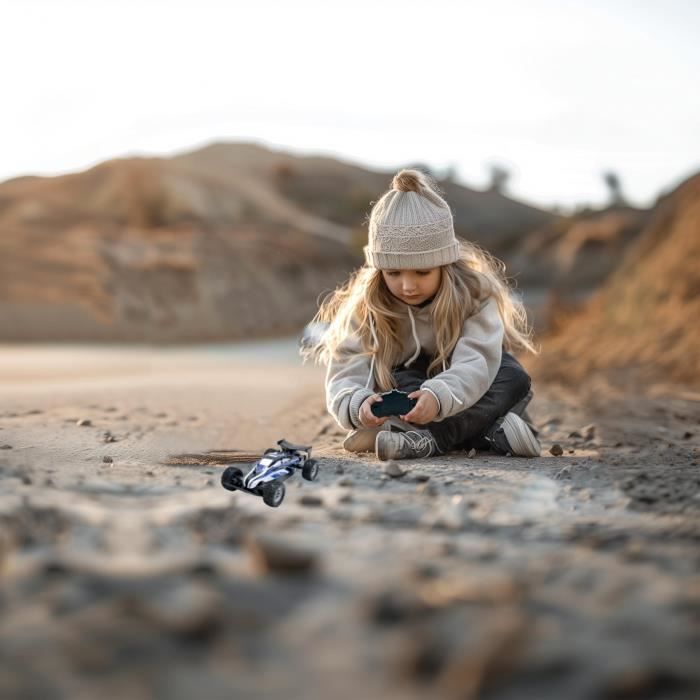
(431, 316)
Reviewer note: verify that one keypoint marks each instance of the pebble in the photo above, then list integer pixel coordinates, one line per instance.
(588, 431)
(5, 447)
(421, 477)
(556, 450)
(107, 460)
(270, 554)
(429, 489)
(471, 454)
(394, 469)
(346, 481)
(309, 499)
(83, 422)
(108, 437)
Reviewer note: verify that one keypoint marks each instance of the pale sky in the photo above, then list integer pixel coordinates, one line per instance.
(557, 91)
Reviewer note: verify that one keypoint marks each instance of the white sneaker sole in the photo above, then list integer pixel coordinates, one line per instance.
(520, 438)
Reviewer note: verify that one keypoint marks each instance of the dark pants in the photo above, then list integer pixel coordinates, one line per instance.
(466, 429)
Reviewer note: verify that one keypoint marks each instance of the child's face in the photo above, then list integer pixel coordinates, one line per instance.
(413, 286)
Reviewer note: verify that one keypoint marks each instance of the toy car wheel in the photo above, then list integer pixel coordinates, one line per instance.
(232, 478)
(310, 470)
(273, 493)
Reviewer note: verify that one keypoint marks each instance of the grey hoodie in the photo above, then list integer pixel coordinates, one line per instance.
(472, 368)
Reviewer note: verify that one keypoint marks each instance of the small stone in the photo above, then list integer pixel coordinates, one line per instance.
(588, 431)
(83, 422)
(107, 460)
(448, 482)
(575, 434)
(311, 500)
(270, 554)
(429, 489)
(556, 450)
(394, 469)
(421, 477)
(108, 437)
(26, 480)
(346, 481)
(339, 469)
(571, 452)
(471, 454)
(687, 435)
(5, 447)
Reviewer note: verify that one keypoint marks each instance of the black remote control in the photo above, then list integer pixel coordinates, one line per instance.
(393, 403)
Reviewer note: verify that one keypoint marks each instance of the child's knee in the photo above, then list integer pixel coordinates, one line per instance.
(519, 381)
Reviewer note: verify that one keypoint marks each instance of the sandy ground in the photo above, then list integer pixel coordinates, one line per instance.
(127, 571)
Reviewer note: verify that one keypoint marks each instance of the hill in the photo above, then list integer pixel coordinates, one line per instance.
(645, 317)
(224, 242)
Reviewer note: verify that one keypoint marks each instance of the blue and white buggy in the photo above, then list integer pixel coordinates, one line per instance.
(269, 473)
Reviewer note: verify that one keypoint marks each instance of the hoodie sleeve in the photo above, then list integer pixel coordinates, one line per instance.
(474, 364)
(348, 383)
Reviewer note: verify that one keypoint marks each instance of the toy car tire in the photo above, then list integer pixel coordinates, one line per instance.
(232, 478)
(310, 470)
(273, 493)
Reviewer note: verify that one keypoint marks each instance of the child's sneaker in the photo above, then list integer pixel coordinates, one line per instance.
(412, 444)
(363, 439)
(512, 435)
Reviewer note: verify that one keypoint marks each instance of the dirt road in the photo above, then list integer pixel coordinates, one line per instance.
(127, 573)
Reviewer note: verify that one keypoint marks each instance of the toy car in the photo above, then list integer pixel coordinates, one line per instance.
(269, 473)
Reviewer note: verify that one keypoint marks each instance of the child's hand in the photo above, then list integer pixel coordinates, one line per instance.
(425, 410)
(367, 418)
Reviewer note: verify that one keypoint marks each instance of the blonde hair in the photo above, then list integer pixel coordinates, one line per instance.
(364, 305)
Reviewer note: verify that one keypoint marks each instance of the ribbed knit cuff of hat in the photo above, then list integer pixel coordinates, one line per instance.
(423, 260)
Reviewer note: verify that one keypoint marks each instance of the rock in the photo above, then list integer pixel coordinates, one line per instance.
(271, 554)
(448, 482)
(687, 435)
(429, 489)
(564, 473)
(556, 450)
(83, 422)
(108, 437)
(471, 454)
(311, 500)
(575, 434)
(107, 460)
(5, 447)
(421, 477)
(346, 481)
(588, 431)
(394, 469)
(395, 606)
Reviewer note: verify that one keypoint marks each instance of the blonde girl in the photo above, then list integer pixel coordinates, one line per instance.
(434, 317)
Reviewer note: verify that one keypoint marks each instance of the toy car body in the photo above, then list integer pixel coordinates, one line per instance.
(267, 477)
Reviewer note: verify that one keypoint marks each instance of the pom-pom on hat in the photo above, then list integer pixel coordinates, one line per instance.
(410, 227)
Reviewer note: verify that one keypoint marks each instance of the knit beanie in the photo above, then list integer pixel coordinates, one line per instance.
(410, 227)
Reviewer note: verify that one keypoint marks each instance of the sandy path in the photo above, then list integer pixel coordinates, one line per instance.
(562, 577)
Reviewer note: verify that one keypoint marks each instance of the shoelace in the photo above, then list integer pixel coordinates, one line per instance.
(417, 441)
